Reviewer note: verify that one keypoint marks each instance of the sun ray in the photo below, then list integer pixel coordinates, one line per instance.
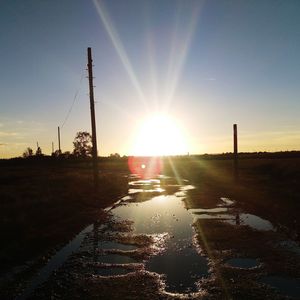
(175, 172)
(112, 33)
(179, 51)
(127, 113)
(152, 66)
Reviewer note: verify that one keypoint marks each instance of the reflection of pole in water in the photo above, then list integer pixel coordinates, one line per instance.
(95, 241)
(235, 152)
(237, 219)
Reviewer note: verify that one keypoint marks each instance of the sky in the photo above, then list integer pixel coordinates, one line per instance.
(207, 64)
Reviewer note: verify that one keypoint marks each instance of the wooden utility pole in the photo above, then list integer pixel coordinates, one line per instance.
(93, 120)
(235, 152)
(52, 147)
(58, 134)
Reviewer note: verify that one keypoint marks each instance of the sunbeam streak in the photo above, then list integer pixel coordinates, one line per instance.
(152, 66)
(179, 50)
(104, 16)
(175, 172)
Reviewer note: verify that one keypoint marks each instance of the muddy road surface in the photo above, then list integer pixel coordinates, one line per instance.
(156, 244)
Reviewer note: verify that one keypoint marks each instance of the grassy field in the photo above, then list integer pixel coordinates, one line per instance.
(45, 203)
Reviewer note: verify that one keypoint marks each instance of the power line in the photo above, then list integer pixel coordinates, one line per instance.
(74, 100)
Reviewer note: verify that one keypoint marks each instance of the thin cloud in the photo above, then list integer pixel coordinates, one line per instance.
(7, 134)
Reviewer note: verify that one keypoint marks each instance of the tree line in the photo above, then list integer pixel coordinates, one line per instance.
(82, 147)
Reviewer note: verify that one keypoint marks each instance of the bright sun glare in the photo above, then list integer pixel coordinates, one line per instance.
(159, 135)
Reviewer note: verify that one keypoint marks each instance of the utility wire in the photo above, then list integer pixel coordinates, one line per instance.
(74, 100)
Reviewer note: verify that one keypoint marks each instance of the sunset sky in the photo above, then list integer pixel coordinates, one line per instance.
(205, 64)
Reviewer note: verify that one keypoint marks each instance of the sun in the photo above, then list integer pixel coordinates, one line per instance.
(158, 135)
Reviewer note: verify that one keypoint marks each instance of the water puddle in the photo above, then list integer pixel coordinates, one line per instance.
(146, 182)
(180, 261)
(291, 246)
(113, 271)
(208, 210)
(285, 285)
(155, 190)
(125, 198)
(182, 268)
(224, 217)
(226, 202)
(55, 262)
(115, 259)
(114, 245)
(252, 221)
(187, 187)
(243, 263)
(165, 221)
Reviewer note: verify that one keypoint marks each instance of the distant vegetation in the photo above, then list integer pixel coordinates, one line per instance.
(83, 150)
(82, 144)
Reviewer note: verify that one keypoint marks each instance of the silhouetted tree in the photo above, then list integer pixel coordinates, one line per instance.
(115, 155)
(66, 154)
(28, 152)
(56, 153)
(82, 144)
(39, 152)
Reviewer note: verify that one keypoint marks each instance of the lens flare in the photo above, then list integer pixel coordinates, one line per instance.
(145, 167)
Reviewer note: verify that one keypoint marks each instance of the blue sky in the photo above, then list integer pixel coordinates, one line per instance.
(208, 64)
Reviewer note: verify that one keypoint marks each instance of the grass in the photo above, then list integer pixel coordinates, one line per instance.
(44, 204)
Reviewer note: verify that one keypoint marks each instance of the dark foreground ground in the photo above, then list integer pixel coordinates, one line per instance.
(45, 203)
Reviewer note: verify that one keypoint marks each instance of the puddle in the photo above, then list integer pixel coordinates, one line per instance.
(226, 217)
(180, 262)
(146, 182)
(285, 285)
(253, 221)
(115, 259)
(187, 187)
(244, 263)
(182, 268)
(208, 210)
(155, 190)
(291, 246)
(164, 213)
(113, 271)
(55, 262)
(180, 194)
(114, 245)
(226, 202)
(125, 198)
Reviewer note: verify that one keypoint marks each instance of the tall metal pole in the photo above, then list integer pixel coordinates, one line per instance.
(58, 134)
(93, 121)
(235, 152)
